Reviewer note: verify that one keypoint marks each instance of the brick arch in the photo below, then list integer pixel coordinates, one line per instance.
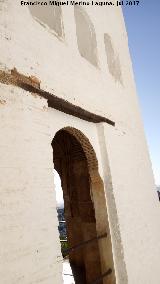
(86, 146)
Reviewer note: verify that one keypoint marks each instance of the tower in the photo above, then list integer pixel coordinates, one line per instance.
(68, 100)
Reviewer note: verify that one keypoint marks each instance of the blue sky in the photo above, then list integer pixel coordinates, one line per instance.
(143, 27)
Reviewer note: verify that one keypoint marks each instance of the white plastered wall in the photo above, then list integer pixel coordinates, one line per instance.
(30, 247)
(28, 218)
(34, 50)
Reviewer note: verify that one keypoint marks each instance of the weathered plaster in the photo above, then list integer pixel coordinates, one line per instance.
(112, 59)
(30, 249)
(32, 84)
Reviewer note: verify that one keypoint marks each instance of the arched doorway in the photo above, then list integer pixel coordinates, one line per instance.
(90, 253)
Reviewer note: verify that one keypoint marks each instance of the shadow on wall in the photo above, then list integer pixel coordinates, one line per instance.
(120, 265)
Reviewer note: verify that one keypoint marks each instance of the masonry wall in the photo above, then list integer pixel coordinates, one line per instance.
(30, 248)
(30, 251)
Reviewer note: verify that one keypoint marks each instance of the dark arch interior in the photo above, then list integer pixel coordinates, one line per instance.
(71, 164)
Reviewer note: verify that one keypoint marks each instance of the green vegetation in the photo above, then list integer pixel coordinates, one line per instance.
(64, 247)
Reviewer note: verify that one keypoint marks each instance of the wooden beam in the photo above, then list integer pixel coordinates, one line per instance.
(32, 84)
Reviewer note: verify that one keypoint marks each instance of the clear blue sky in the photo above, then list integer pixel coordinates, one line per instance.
(143, 27)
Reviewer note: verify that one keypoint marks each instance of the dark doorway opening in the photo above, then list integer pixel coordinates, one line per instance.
(77, 170)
